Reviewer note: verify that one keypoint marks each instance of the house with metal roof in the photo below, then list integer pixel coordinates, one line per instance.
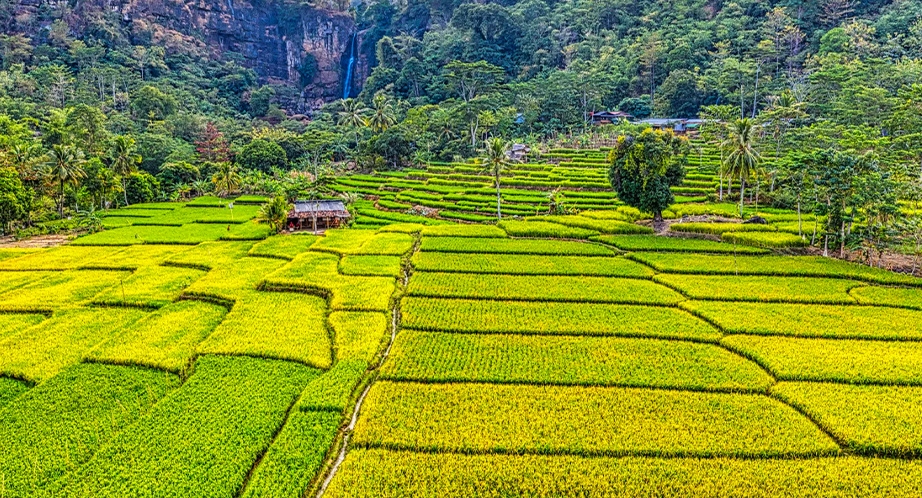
(609, 117)
(317, 214)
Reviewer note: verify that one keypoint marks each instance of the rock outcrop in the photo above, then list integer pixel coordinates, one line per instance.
(283, 42)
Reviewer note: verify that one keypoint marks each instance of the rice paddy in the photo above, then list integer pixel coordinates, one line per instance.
(567, 355)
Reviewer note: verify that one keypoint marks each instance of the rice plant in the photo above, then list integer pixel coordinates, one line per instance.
(561, 360)
(588, 421)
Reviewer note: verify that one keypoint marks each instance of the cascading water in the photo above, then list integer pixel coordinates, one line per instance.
(347, 84)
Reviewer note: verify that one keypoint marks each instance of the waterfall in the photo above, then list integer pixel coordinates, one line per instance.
(347, 84)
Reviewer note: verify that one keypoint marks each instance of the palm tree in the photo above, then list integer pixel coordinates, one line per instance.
(352, 115)
(226, 180)
(275, 213)
(382, 114)
(65, 164)
(742, 158)
(496, 161)
(124, 160)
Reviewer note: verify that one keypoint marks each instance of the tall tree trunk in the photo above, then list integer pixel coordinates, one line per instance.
(125, 190)
(842, 239)
(742, 194)
(499, 214)
(61, 204)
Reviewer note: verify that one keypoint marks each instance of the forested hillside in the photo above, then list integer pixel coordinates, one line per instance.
(112, 102)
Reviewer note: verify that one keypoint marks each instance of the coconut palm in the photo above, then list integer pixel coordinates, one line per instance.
(226, 180)
(743, 159)
(124, 160)
(496, 161)
(352, 115)
(65, 166)
(275, 213)
(382, 114)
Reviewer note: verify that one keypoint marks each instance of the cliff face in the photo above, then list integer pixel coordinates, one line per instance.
(284, 43)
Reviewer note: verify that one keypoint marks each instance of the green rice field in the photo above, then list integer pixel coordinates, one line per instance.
(190, 353)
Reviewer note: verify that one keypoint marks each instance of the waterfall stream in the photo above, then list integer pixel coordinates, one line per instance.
(347, 84)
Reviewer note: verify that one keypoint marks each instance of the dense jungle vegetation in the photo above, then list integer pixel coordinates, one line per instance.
(97, 112)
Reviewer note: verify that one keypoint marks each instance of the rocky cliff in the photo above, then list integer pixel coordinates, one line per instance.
(284, 42)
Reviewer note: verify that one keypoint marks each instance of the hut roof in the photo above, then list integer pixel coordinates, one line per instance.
(319, 208)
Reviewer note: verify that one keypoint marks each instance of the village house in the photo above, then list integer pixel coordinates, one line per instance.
(317, 215)
(609, 117)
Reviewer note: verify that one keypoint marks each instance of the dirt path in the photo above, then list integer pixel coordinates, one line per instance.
(37, 242)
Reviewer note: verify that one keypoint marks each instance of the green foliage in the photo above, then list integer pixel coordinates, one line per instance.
(244, 399)
(295, 457)
(645, 166)
(333, 389)
(275, 213)
(57, 426)
(262, 155)
(142, 187)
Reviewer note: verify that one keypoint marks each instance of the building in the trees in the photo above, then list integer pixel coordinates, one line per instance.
(609, 117)
(680, 126)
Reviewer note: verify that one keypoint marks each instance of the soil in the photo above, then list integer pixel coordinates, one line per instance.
(662, 228)
(37, 242)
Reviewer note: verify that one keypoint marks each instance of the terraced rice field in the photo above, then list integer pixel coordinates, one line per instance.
(432, 359)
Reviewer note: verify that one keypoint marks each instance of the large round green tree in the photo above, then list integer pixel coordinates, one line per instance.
(262, 155)
(644, 166)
